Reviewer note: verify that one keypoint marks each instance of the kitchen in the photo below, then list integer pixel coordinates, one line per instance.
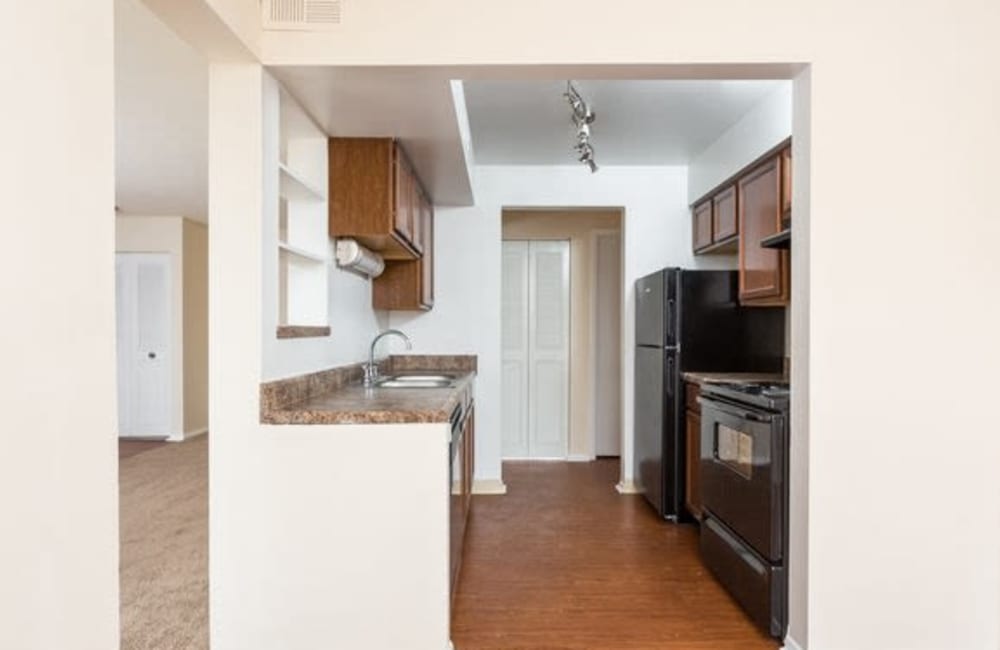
(463, 320)
(894, 142)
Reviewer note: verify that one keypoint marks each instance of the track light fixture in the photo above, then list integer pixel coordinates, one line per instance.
(583, 117)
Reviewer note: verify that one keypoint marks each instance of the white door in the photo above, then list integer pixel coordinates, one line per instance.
(535, 335)
(607, 344)
(142, 304)
(514, 349)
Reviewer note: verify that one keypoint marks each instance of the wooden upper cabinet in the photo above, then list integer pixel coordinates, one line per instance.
(372, 190)
(427, 261)
(786, 183)
(702, 225)
(409, 285)
(724, 221)
(763, 271)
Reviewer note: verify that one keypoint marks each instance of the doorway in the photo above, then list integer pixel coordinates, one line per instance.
(588, 389)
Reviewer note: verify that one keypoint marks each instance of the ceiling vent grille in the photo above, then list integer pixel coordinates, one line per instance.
(304, 15)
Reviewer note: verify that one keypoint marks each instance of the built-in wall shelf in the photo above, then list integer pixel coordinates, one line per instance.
(303, 253)
(298, 211)
(294, 187)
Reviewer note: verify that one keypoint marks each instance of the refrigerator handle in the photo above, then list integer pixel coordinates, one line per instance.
(670, 375)
(671, 303)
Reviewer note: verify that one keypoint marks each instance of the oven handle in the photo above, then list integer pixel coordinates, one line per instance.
(730, 409)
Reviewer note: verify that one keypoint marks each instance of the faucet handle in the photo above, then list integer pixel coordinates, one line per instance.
(371, 373)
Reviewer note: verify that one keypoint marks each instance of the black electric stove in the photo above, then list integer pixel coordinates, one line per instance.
(743, 476)
(768, 395)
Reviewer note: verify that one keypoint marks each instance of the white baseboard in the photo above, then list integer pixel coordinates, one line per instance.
(489, 486)
(579, 458)
(187, 435)
(628, 487)
(791, 644)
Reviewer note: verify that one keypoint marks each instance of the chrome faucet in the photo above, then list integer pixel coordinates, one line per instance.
(371, 368)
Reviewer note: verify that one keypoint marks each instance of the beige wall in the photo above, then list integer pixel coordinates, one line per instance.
(195, 327)
(578, 226)
(186, 242)
(59, 465)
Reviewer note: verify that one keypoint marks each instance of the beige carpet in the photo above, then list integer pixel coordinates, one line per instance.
(164, 547)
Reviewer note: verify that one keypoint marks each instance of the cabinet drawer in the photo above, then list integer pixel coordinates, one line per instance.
(692, 391)
(759, 586)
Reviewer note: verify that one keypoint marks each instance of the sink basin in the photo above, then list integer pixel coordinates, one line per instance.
(423, 378)
(416, 381)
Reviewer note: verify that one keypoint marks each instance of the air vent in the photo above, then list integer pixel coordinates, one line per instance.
(304, 15)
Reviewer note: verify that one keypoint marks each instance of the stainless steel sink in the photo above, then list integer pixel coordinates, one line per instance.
(416, 381)
(422, 378)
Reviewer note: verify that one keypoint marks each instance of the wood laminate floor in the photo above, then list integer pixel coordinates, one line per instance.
(563, 561)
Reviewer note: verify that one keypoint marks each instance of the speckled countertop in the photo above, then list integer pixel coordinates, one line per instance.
(337, 396)
(733, 377)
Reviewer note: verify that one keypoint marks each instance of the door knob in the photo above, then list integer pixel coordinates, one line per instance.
(151, 355)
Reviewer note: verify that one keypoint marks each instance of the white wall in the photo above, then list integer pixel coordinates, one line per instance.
(466, 315)
(319, 535)
(353, 322)
(58, 469)
(161, 117)
(762, 128)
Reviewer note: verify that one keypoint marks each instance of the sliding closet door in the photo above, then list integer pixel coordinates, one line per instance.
(514, 350)
(535, 334)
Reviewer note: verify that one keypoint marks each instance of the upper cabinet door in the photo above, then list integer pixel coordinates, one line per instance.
(763, 271)
(786, 183)
(403, 218)
(702, 225)
(724, 222)
(427, 262)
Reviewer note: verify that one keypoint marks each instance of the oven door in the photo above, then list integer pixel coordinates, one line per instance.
(743, 472)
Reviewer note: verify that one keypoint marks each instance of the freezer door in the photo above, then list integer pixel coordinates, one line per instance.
(649, 311)
(649, 424)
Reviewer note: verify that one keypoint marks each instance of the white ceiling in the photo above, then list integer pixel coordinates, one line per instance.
(647, 122)
(161, 118)
(414, 105)
(161, 94)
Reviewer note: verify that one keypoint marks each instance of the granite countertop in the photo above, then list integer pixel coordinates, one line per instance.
(337, 396)
(733, 377)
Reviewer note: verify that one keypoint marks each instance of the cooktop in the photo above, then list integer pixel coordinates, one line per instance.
(770, 395)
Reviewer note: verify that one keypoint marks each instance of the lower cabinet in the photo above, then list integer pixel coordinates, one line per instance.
(692, 489)
(462, 471)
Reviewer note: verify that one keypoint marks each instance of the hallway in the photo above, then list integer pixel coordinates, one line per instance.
(563, 561)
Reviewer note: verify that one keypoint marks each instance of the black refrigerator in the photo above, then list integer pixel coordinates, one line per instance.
(689, 321)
